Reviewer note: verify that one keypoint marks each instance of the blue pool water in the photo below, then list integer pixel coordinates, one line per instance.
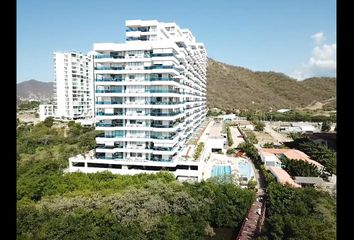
(219, 170)
(245, 169)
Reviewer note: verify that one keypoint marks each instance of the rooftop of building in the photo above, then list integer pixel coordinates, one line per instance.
(309, 180)
(292, 154)
(283, 177)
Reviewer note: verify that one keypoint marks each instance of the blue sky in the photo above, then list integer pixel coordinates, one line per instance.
(272, 35)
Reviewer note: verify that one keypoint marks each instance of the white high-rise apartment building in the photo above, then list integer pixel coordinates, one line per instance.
(73, 85)
(150, 97)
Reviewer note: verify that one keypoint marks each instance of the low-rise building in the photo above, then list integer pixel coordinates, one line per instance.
(315, 182)
(46, 110)
(291, 154)
(269, 159)
(283, 177)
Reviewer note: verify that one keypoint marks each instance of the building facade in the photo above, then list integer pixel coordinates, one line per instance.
(73, 85)
(46, 110)
(150, 97)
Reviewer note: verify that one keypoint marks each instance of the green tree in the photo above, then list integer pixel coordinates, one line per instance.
(326, 126)
(251, 184)
(230, 141)
(300, 168)
(48, 122)
(259, 126)
(268, 145)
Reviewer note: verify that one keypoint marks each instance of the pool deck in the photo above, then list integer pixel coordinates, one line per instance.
(220, 159)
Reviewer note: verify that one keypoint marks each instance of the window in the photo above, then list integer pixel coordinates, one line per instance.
(131, 77)
(132, 154)
(139, 155)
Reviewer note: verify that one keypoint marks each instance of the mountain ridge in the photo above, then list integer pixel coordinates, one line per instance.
(237, 88)
(34, 89)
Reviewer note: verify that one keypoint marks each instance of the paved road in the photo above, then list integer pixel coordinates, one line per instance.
(237, 140)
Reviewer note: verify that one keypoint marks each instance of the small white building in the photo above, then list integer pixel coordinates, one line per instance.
(46, 110)
(215, 144)
(283, 110)
(304, 126)
(269, 159)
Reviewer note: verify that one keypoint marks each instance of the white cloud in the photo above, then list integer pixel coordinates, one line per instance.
(318, 38)
(322, 61)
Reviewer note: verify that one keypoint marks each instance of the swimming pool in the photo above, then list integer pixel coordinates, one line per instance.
(220, 170)
(245, 169)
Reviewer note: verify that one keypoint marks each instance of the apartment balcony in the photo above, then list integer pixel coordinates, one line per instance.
(164, 126)
(161, 79)
(163, 137)
(159, 67)
(162, 55)
(109, 125)
(109, 114)
(162, 159)
(109, 91)
(110, 136)
(103, 146)
(162, 91)
(109, 158)
(164, 103)
(138, 29)
(109, 79)
(109, 68)
(100, 56)
(157, 114)
(108, 102)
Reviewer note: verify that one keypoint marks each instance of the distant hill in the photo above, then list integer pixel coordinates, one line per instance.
(33, 89)
(230, 88)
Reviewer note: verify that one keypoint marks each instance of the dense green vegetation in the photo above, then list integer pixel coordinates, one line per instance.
(258, 126)
(294, 213)
(290, 116)
(251, 137)
(299, 214)
(317, 152)
(56, 205)
(230, 88)
(27, 105)
(199, 150)
(300, 168)
(326, 126)
(230, 141)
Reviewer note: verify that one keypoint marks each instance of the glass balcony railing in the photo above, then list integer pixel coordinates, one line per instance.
(107, 102)
(137, 30)
(102, 146)
(109, 124)
(160, 79)
(158, 67)
(161, 91)
(162, 55)
(164, 103)
(109, 158)
(110, 136)
(164, 148)
(109, 91)
(109, 68)
(109, 79)
(108, 56)
(163, 137)
(157, 159)
(109, 114)
(164, 114)
(163, 126)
